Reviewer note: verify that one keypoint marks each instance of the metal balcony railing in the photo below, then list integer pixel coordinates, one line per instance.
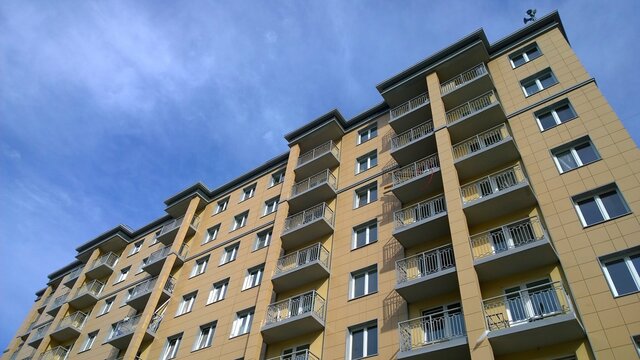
(46, 300)
(308, 303)
(74, 273)
(411, 105)
(75, 320)
(431, 329)
(165, 251)
(424, 264)
(110, 259)
(59, 300)
(507, 237)
(530, 304)
(298, 355)
(195, 222)
(480, 141)
(93, 287)
(147, 286)
(463, 79)
(419, 212)
(40, 331)
(323, 177)
(411, 135)
(423, 166)
(325, 148)
(476, 105)
(171, 225)
(492, 184)
(128, 325)
(290, 262)
(307, 216)
(57, 353)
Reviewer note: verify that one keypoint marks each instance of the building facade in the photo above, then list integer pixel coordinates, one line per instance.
(487, 209)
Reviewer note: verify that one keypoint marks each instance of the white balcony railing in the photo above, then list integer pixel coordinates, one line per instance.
(476, 105)
(109, 259)
(507, 237)
(420, 211)
(463, 79)
(164, 252)
(425, 264)
(59, 300)
(411, 105)
(147, 286)
(424, 166)
(523, 306)
(290, 262)
(57, 353)
(75, 320)
(40, 331)
(308, 303)
(431, 329)
(480, 141)
(411, 135)
(323, 177)
(315, 153)
(298, 355)
(492, 184)
(74, 273)
(308, 216)
(128, 325)
(93, 288)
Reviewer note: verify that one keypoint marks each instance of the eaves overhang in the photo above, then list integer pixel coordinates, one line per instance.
(330, 125)
(64, 270)
(111, 240)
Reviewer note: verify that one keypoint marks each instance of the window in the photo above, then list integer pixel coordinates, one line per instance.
(271, 206)
(636, 342)
(365, 234)
(136, 247)
(263, 239)
(88, 343)
(200, 266)
(248, 192)
(366, 162)
(186, 305)
(242, 323)
(442, 322)
(363, 341)
(366, 194)
(575, 154)
(538, 82)
(554, 115)
(212, 234)
(363, 282)
(205, 337)
(143, 263)
(240, 221)
(218, 291)
(532, 301)
(296, 353)
(253, 277)
(171, 348)
(524, 56)
(155, 237)
(276, 178)
(123, 274)
(222, 205)
(600, 205)
(230, 253)
(622, 271)
(367, 133)
(106, 307)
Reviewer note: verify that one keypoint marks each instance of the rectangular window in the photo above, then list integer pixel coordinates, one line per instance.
(212, 234)
(242, 323)
(136, 247)
(205, 336)
(622, 271)
(363, 341)
(143, 263)
(600, 205)
(365, 234)
(271, 206)
(366, 195)
(222, 205)
(276, 178)
(367, 133)
(363, 282)
(366, 162)
(240, 221)
(230, 253)
(186, 305)
(263, 239)
(538, 82)
(155, 237)
(171, 348)
(218, 291)
(253, 277)
(575, 154)
(123, 275)
(88, 343)
(106, 307)
(200, 266)
(636, 342)
(555, 115)
(524, 56)
(248, 192)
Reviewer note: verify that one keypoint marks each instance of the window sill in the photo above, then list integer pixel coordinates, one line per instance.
(237, 336)
(361, 206)
(365, 357)
(225, 263)
(363, 246)
(607, 220)
(364, 296)
(213, 302)
(366, 141)
(556, 125)
(528, 62)
(249, 288)
(196, 275)
(627, 294)
(243, 200)
(183, 314)
(200, 349)
(260, 248)
(365, 170)
(577, 167)
(236, 229)
(539, 91)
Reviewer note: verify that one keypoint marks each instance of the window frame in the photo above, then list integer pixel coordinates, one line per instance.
(106, 307)
(170, 351)
(136, 247)
(368, 189)
(595, 194)
(366, 272)
(248, 192)
(523, 52)
(253, 277)
(553, 111)
(535, 79)
(276, 178)
(229, 253)
(208, 338)
(87, 344)
(571, 147)
(221, 205)
(240, 221)
(220, 289)
(268, 234)
(368, 130)
(367, 227)
(624, 255)
(202, 263)
(123, 274)
(240, 327)
(209, 237)
(368, 157)
(365, 328)
(186, 303)
(271, 206)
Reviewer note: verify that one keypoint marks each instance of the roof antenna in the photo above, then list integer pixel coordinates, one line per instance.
(532, 16)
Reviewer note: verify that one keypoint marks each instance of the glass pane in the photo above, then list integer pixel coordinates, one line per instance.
(373, 281)
(518, 60)
(590, 211)
(566, 161)
(499, 242)
(531, 87)
(586, 153)
(612, 201)
(374, 132)
(362, 199)
(621, 277)
(372, 340)
(547, 120)
(635, 260)
(374, 160)
(357, 343)
(373, 233)
(374, 194)
(547, 80)
(533, 53)
(361, 237)
(358, 285)
(565, 113)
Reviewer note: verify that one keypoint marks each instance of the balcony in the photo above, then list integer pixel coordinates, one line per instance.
(312, 190)
(293, 317)
(156, 260)
(464, 86)
(537, 317)
(301, 267)
(418, 179)
(307, 225)
(474, 116)
(497, 195)
(486, 150)
(45, 302)
(424, 221)
(38, 334)
(512, 248)
(70, 327)
(436, 336)
(298, 355)
(57, 353)
(71, 278)
(121, 334)
(87, 295)
(427, 274)
(325, 156)
(410, 114)
(103, 266)
(414, 143)
(170, 229)
(138, 296)
(56, 304)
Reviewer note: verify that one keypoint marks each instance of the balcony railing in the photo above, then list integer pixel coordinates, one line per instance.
(523, 306)
(507, 237)
(74, 273)
(46, 300)
(75, 320)
(302, 257)
(425, 264)
(109, 259)
(411, 105)
(411, 135)
(298, 355)
(419, 212)
(431, 329)
(308, 216)
(59, 300)
(324, 177)
(57, 353)
(309, 303)
(476, 105)
(480, 141)
(170, 226)
(164, 252)
(325, 148)
(40, 331)
(147, 286)
(418, 168)
(93, 287)
(128, 325)
(492, 184)
(462, 79)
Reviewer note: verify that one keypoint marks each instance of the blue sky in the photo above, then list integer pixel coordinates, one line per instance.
(109, 108)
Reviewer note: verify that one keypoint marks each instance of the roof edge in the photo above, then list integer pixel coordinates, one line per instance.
(321, 120)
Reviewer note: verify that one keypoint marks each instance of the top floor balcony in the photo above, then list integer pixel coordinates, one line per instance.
(71, 278)
(293, 317)
(301, 267)
(121, 334)
(170, 229)
(103, 266)
(422, 222)
(419, 179)
(410, 114)
(474, 116)
(414, 143)
(307, 225)
(324, 156)
(439, 335)
(312, 190)
(466, 85)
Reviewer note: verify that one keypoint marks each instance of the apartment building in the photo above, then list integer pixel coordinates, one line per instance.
(487, 209)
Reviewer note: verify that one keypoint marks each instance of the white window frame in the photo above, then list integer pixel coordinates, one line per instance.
(205, 336)
(365, 340)
(136, 247)
(230, 253)
(212, 234)
(218, 291)
(248, 192)
(367, 188)
(571, 148)
(200, 266)
(106, 307)
(171, 347)
(535, 79)
(367, 273)
(253, 277)
(365, 134)
(369, 159)
(88, 342)
(221, 205)
(186, 303)
(276, 178)
(554, 113)
(368, 230)
(143, 263)
(524, 55)
(595, 194)
(271, 206)
(626, 256)
(122, 276)
(263, 239)
(240, 220)
(242, 323)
